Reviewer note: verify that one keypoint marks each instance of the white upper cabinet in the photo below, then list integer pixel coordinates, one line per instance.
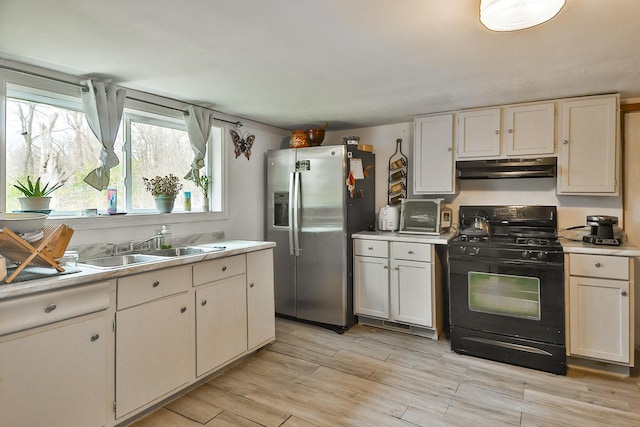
(530, 129)
(526, 130)
(434, 166)
(479, 133)
(589, 149)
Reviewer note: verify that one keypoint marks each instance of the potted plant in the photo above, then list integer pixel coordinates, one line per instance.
(164, 189)
(36, 196)
(203, 183)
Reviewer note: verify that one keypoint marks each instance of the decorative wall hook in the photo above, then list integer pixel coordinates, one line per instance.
(242, 144)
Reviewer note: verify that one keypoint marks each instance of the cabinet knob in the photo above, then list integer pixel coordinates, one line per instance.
(566, 141)
(396, 268)
(498, 132)
(203, 302)
(386, 267)
(95, 337)
(224, 268)
(410, 252)
(370, 248)
(50, 308)
(156, 284)
(510, 131)
(251, 285)
(183, 309)
(597, 265)
(449, 149)
(623, 293)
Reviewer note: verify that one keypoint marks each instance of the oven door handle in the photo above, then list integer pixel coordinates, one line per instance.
(528, 263)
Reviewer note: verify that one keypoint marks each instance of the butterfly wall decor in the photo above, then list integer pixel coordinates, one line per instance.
(242, 144)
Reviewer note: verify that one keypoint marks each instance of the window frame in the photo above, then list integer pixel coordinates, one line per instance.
(151, 108)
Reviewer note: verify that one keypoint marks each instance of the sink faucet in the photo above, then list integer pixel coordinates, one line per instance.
(114, 248)
(145, 243)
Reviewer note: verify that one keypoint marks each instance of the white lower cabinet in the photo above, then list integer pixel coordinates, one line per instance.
(235, 311)
(397, 282)
(56, 374)
(260, 299)
(600, 303)
(221, 322)
(100, 354)
(371, 278)
(411, 292)
(154, 339)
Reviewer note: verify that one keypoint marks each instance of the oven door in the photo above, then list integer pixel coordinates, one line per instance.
(517, 298)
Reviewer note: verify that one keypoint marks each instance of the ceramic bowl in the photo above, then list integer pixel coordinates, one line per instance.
(22, 222)
(315, 136)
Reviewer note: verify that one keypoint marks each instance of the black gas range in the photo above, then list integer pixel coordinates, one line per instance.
(506, 279)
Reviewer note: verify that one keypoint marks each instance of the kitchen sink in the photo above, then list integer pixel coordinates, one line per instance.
(184, 251)
(120, 260)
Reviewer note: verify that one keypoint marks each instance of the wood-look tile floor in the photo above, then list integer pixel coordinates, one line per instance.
(371, 377)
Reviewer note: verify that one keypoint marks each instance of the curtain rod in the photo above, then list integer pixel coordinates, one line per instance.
(237, 124)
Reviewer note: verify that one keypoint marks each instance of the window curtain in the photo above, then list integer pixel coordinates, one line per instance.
(103, 106)
(198, 122)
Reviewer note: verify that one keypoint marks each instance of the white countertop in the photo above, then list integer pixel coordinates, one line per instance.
(579, 247)
(394, 236)
(88, 275)
(569, 246)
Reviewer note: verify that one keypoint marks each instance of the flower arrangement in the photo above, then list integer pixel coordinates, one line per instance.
(203, 183)
(34, 189)
(165, 185)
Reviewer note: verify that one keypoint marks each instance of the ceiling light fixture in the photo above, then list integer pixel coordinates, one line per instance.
(512, 15)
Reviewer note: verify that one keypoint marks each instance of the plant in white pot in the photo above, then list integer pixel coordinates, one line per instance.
(164, 189)
(36, 196)
(203, 183)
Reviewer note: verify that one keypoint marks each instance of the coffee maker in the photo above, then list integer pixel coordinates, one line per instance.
(601, 230)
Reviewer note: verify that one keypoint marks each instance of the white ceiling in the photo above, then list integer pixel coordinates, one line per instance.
(352, 63)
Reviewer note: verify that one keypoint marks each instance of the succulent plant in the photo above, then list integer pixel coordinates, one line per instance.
(34, 189)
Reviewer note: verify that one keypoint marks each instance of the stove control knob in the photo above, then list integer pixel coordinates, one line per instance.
(542, 255)
(526, 254)
(474, 250)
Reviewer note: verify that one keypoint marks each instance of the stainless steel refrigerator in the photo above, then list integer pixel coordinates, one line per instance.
(311, 212)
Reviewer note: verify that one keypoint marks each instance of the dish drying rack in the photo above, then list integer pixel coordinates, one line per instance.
(45, 252)
(397, 175)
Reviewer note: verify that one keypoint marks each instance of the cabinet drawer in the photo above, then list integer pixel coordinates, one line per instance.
(141, 288)
(376, 248)
(210, 271)
(41, 309)
(608, 267)
(411, 251)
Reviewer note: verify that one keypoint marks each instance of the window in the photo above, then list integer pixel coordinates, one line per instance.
(157, 147)
(47, 135)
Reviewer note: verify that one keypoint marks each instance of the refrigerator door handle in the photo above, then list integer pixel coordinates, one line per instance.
(296, 214)
(290, 213)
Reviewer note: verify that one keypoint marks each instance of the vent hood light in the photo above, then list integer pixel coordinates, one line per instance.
(512, 15)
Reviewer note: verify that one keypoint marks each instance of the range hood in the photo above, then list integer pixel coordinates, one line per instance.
(539, 167)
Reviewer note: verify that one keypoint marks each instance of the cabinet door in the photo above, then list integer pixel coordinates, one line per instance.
(599, 318)
(154, 355)
(55, 377)
(221, 322)
(260, 298)
(434, 171)
(588, 158)
(371, 286)
(411, 296)
(479, 133)
(530, 129)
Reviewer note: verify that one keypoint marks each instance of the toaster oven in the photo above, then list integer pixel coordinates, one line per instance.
(424, 216)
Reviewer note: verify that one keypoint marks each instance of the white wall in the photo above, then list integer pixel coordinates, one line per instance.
(572, 210)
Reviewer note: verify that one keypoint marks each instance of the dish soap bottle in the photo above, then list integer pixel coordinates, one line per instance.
(166, 237)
